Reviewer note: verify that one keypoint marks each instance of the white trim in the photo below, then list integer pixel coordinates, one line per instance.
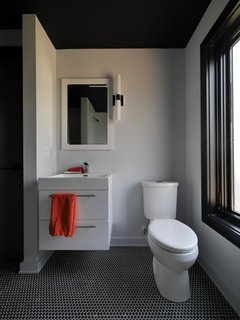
(129, 242)
(232, 296)
(64, 129)
(35, 266)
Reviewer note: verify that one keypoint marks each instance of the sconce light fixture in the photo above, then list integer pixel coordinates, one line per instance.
(118, 99)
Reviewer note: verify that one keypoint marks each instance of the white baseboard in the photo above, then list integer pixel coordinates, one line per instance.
(129, 242)
(231, 295)
(35, 266)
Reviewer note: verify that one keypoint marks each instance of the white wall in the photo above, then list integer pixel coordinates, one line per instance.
(149, 141)
(45, 103)
(219, 257)
(39, 84)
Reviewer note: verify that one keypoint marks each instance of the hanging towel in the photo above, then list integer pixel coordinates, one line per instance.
(63, 213)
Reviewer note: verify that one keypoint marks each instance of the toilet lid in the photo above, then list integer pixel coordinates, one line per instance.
(172, 235)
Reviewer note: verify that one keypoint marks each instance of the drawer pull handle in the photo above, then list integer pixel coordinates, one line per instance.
(82, 195)
(89, 226)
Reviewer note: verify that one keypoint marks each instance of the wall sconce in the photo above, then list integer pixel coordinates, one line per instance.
(118, 99)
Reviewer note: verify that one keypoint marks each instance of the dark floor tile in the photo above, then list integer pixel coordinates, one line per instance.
(115, 284)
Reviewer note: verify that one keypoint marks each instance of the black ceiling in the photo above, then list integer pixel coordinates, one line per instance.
(110, 23)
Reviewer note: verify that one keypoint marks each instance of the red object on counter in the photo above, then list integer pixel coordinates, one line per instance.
(76, 169)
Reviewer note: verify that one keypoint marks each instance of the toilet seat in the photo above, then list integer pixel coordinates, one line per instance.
(172, 235)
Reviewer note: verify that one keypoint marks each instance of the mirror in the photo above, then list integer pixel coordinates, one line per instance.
(85, 114)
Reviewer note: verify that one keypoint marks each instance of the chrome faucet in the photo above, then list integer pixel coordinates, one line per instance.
(86, 167)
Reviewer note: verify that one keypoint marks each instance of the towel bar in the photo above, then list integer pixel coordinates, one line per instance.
(89, 226)
(82, 195)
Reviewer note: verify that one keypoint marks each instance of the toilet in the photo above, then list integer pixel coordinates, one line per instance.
(173, 244)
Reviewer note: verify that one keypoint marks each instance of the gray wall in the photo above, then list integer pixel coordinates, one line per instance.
(149, 141)
(39, 134)
(219, 257)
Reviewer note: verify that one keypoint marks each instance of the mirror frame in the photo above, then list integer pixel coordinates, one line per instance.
(65, 145)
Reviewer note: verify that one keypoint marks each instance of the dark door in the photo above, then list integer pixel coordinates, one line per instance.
(11, 154)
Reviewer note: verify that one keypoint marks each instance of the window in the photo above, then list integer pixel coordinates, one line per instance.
(236, 125)
(220, 124)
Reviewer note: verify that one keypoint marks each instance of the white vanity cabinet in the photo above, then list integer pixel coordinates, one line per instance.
(94, 211)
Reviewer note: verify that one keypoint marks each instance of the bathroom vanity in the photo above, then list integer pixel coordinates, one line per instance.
(94, 211)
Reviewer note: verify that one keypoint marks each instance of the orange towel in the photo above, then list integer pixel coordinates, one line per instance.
(63, 213)
(76, 169)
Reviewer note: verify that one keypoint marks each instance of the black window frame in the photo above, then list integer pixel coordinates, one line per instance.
(216, 96)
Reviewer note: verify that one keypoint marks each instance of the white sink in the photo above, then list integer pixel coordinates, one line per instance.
(75, 181)
(81, 175)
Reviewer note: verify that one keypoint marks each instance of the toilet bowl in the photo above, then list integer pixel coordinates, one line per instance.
(174, 247)
(173, 244)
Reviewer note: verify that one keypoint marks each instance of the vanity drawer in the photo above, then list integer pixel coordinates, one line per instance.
(89, 235)
(90, 204)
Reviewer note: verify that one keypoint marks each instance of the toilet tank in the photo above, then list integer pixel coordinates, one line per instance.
(160, 199)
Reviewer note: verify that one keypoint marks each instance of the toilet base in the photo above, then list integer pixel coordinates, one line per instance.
(172, 284)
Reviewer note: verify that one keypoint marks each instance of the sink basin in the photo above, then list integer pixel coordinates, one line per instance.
(75, 181)
(80, 175)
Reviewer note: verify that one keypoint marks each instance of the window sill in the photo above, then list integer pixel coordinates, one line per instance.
(222, 224)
